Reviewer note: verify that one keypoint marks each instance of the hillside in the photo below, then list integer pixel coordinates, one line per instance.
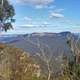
(53, 44)
(39, 56)
(55, 41)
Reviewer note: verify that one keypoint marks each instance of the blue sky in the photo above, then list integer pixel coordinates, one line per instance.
(45, 16)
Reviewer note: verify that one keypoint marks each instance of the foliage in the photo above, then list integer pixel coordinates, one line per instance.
(6, 15)
(70, 71)
(17, 65)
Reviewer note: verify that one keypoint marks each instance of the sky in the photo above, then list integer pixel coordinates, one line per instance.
(45, 16)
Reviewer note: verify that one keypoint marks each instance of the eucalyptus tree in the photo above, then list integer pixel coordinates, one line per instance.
(7, 13)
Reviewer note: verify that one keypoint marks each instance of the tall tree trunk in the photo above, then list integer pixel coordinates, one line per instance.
(49, 71)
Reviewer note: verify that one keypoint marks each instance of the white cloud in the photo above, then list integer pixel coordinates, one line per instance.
(58, 10)
(46, 6)
(45, 24)
(40, 6)
(27, 18)
(38, 3)
(27, 26)
(56, 15)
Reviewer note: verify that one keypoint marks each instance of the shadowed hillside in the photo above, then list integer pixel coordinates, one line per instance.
(53, 44)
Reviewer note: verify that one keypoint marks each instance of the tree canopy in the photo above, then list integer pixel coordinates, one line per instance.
(6, 15)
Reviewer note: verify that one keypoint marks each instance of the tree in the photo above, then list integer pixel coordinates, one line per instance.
(74, 45)
(46, 60)
(6, 15)
(73, 69)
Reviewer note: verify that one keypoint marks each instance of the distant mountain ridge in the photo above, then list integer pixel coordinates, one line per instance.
(52, 44)
(15, 37)
(28, 42)
(54, 41)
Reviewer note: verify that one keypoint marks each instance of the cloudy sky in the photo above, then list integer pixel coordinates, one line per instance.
(46, 16)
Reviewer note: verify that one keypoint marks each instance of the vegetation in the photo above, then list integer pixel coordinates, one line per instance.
(70, 70)
(6, 15)
(17, 65)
